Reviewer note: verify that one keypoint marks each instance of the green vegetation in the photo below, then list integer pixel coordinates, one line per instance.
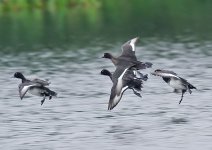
(47, 22)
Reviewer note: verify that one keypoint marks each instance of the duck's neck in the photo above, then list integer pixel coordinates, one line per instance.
(23, 79)
(110, 75)
(114, 60)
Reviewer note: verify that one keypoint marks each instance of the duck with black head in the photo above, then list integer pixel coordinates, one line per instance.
(132, 81)
(128, 57)
(36, 87)
(172, 79)
(123, 79)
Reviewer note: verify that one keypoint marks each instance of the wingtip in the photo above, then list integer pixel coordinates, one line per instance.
(109, 107)
(136, 39)
(21, 97)
(42, 103)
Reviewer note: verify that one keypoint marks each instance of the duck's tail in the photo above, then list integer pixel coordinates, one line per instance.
(190, 86)
(52, 93)
(49, 92)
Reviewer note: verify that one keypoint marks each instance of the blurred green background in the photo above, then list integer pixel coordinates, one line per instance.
(40, 24)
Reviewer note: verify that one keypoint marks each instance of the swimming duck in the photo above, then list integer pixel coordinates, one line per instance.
(128, 58)
(35, 87)
(121, 82)
(172, 79)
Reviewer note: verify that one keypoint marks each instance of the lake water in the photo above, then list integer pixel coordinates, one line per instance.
(78, 118)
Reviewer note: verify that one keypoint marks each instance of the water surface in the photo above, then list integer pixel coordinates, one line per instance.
(78, 117)
(63, 41)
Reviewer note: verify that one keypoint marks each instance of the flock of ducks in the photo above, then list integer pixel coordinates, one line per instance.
(127, 75)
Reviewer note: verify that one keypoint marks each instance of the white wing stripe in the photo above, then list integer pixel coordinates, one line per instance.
(117, 98)
(23, 91)
(132, 43)
(120, 82)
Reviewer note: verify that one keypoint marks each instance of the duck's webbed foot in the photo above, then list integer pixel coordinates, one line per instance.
(141, 76)
(183, 92)
(145, 77)
(189, 90)
(43, 100)
(50, 97)
(136, 93)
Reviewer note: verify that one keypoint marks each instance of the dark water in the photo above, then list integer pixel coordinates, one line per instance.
(78, 117)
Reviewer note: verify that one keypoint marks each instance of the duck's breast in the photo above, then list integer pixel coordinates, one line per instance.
(35, 91)
(177, 84)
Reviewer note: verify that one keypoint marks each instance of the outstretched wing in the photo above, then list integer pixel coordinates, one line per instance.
(41, 82)
(23, 88)
(165, 74)
(115, 98)
(189, 85)
(170, 72)
(128, 49)
(118, 88)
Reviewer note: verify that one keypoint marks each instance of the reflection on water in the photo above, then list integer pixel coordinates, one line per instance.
(35, 25)
(78, 118)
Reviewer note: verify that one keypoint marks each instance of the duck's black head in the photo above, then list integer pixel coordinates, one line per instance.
(19, 75)
(105, 72)
(107, 55)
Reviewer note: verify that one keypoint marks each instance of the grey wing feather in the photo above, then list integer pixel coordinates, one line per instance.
(128, 52)
(128, 49)
(116, 94)
(41, 82)
(119, 70)
(171, 72)
(115, 99)
(189, 85)
(184, 80)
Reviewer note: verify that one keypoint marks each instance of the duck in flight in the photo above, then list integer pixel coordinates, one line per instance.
(128, 58)
(133, 82)
(172, 79)
(123, 79)
(35, 87)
